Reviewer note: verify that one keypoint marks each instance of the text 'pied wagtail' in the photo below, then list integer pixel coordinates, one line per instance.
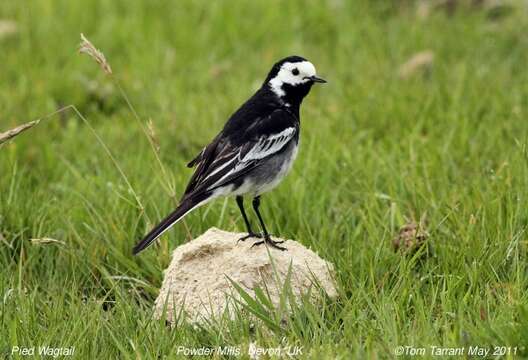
(253, 152)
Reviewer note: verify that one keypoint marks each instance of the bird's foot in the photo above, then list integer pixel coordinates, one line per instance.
(249, 236)
(267, 240)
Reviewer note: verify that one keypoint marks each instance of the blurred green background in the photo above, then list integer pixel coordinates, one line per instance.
(424, 117)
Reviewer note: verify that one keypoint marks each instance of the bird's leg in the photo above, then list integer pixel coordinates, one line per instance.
(267, 238)
(251, 234)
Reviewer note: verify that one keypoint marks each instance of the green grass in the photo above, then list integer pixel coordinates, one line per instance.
(375, 149)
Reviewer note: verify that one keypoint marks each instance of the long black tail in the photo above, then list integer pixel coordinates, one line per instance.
(185, 207)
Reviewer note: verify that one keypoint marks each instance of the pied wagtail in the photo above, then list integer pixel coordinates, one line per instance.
(253, 152)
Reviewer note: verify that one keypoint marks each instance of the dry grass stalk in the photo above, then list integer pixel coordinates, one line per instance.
(86, 47)
(16, 131)
(8, 28)
(421, 61)
(45, 240)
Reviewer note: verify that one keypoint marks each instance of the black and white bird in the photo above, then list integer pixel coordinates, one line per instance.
(253, 152)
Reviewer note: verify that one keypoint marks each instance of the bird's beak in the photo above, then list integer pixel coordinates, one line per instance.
(317, 79)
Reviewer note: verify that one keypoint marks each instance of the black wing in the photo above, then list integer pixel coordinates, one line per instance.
(229, 157)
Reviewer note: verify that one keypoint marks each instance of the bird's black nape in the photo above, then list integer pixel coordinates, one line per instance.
(276, 68)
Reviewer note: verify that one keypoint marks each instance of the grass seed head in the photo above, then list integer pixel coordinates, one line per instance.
(151, 132)
(86, 47)
(16, 131)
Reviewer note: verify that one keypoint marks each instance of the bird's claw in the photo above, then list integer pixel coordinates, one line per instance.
(267, 240)
(249, 236)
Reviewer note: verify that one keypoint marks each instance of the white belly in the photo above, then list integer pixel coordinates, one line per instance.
(281, 174)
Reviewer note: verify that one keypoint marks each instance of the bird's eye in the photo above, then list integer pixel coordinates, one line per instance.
(295, 71)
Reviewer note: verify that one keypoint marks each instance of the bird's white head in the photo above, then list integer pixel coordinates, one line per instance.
(292, 72)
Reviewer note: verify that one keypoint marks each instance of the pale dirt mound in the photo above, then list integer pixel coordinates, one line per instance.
(197, 277)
